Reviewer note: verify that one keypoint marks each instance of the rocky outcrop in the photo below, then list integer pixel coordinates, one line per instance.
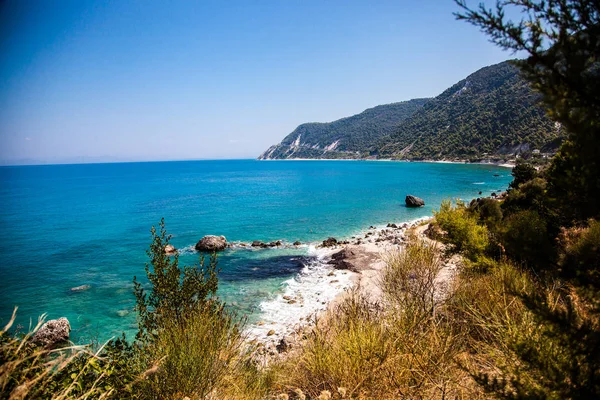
(329, 242)
(170, 250)
(353, 258)
(414, 201)
(211, 243)
(53, 332)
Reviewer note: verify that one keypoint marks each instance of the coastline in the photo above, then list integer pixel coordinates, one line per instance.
(353, 263)
(503, 164)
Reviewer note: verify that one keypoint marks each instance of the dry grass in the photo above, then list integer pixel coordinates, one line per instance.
(28, 371)
(405, 349)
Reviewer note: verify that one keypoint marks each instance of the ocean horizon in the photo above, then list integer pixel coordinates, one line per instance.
(72, 225)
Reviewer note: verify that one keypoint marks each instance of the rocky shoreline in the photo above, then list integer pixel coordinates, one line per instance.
(360, 259)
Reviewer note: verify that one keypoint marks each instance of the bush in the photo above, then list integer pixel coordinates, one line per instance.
(580, 259)
(522, 172)
(462, 230)
(175, 293)
(189, 342)
(488, 210)
(529, 339)
(194, 359)
(409, 279)
(531, 195)
(526, 239)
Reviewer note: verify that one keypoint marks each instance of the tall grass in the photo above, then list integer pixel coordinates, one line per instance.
(193, 359)
(29, 371)
(399, 348)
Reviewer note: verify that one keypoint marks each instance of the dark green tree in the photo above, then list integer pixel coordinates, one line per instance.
(522, 172)
(562, 41)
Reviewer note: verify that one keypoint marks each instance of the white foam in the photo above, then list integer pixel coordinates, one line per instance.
(478, 183)
(310, 291)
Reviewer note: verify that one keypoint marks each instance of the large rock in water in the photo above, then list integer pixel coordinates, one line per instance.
(414, 201)
(53, 332)
(211, 243)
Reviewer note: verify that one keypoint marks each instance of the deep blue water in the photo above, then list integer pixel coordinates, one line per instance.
(63, 226)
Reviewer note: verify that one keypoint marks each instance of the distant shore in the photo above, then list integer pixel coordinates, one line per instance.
(503, 164)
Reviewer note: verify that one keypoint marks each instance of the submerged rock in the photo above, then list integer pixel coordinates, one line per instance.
(81, 288)
(211, 243)
(53, 332)
(413, 201)
(123, 313)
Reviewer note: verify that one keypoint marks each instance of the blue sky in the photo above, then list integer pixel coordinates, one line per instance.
(85, 81)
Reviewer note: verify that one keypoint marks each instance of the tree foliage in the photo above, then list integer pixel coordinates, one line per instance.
(175, 293)
(562, 41)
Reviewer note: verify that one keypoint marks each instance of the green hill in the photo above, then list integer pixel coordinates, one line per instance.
(493, 113)
(350, 137)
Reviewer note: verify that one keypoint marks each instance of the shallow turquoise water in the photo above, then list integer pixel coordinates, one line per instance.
(63, 226)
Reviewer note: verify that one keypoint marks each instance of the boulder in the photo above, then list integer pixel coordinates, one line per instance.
(211, 243)
(297, 243)
(392, 226)
(170, 250)
(283, 346)
(413, 201)
(354, 258)
(53, 332)
(329, 242)
(258, 243)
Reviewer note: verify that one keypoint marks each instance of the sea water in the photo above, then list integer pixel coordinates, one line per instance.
(63, 226)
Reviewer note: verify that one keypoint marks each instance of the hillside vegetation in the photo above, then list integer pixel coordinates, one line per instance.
(491, 114)
(351, 137)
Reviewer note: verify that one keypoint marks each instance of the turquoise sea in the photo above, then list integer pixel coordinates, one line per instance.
(63, 226)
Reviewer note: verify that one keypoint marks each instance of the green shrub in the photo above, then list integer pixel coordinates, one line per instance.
(462, 230)
(525, 238)
(189, 342)
(522, 172)
(530, 195)
(175, 293)
(489, 212)
(580, 259)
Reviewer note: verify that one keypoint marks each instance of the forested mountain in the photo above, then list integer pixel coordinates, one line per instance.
(493, 113)
(351, 137)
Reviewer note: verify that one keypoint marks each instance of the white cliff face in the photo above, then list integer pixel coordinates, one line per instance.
(297, 141)
(332, 146)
